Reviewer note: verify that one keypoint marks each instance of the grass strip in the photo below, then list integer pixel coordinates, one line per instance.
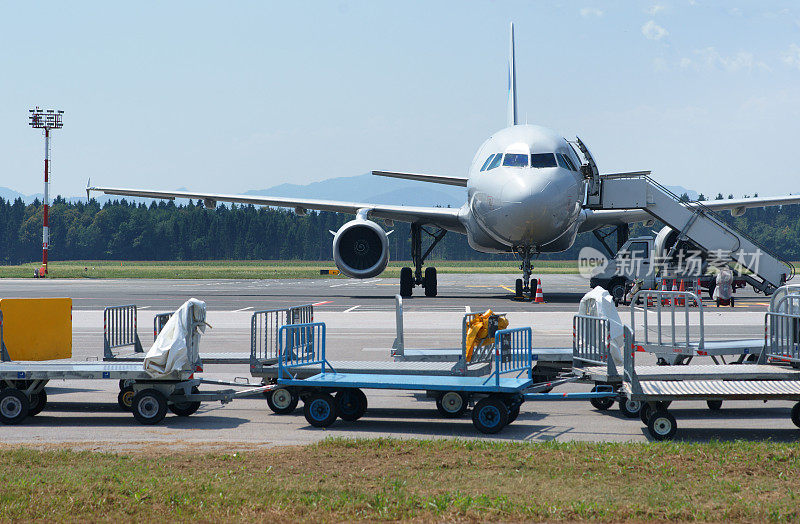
(386, 479)
(252, 269)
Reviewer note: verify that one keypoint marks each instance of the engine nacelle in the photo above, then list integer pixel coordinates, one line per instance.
(361, 249)
(666, 238)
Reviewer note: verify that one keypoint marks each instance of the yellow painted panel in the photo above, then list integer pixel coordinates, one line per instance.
(37, 328)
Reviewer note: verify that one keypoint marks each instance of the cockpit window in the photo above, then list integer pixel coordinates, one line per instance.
(543, 160)
(570, 162)
(486, 164)
(515, 160)
(496, 162)
(565, 162)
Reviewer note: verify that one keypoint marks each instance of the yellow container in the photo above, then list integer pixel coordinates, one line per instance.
(37, 328)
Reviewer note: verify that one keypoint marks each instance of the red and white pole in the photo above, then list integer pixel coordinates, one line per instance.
(46, 226)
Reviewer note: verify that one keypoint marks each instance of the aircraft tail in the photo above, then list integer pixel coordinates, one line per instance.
(512, 82)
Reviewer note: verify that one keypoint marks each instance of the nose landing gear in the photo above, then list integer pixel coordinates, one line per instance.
(526, 284)
(409, 279)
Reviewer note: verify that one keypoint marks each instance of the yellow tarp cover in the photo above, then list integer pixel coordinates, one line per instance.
(478, 331)
(37, 328)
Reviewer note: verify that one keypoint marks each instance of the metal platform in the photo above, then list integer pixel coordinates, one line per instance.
(411, 382)
(371, 367)
(700, 372)
(206, 358)
(658, 390)
(77, 370)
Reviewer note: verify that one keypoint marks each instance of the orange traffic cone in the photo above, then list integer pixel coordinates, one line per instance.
(664, 301)
(539, 294)
(682, 299)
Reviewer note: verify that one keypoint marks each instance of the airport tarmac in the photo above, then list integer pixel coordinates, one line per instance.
(360, 320)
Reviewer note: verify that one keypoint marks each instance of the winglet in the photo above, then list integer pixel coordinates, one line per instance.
(512, 81)
(88, 188)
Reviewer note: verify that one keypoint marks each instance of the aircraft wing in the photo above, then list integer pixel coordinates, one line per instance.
(445, 217)
(737, 207)
(419, 177)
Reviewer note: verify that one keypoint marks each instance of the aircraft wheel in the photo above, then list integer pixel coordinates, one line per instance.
(430, 282)
(714, 405)
(452, 404)
(281, 400)
(662, 425)
(406, 282)
(518, 290)
(37, 403)
(533, 287)
(490, 415)
(14, 406)
(149, 406)
(630, 408)
(320, 410)
(351, 404)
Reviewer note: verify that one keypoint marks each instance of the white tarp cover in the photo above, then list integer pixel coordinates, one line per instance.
(724, 284)
(599, 303)
(169, 352)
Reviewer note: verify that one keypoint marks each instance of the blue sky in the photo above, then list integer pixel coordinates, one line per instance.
(231, 96)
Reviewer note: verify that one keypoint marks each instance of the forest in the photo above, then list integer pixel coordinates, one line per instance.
(122, 230)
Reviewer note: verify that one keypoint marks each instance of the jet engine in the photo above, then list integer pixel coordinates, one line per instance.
(666, 238)
(361, 249)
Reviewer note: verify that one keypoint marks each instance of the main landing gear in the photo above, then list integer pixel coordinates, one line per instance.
(526, 284)
(409, 279)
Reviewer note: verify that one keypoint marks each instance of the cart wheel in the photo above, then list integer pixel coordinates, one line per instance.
(796, 414)
(320, 410)
(14, 405)
(281, 401)
(351, 404)
(184, 409)
(513, 413)
(123, 383)
(37, 403)
(630, 408)
(149, 406)
(601, 404)
(644, 413)
(452, 404)
(125, 398)
(714, 405)
(662, 425)
(490, 415)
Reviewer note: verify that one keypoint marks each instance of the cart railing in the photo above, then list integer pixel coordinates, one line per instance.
(264, 330)
(301, 345)
(782, 337)
(513, 352)
(119, 329)
(785, 299)
(670, 335)
(159, 321)
(591, 341)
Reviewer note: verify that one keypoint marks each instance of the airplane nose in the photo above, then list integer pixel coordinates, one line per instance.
(528, 207)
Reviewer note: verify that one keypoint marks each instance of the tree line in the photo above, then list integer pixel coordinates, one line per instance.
(122, 230)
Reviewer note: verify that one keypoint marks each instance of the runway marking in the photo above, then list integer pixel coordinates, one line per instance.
(508, 289)
(142, 307)
(243, 309)
(348, 310)
(322, 303)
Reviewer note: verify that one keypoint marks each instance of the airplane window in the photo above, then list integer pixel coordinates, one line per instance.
(515, 160)
(543, 160)
(486, 164)
(496, 162)
(561, 161)
(571, 164)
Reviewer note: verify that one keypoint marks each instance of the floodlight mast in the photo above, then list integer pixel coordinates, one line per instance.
(47, 120)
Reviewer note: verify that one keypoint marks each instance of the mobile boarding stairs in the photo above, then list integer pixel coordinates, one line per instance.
(692, 220)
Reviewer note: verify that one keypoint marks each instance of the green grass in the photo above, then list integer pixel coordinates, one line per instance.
(385, 479)
(255, 269)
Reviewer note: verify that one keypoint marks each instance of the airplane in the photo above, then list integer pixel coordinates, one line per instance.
(526, 195)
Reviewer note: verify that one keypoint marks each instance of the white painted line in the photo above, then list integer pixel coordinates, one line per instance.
(243, 309)
(351, 309)
(142, 307)
(467, 309)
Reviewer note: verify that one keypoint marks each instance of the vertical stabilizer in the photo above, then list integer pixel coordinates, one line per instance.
(512, 82)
